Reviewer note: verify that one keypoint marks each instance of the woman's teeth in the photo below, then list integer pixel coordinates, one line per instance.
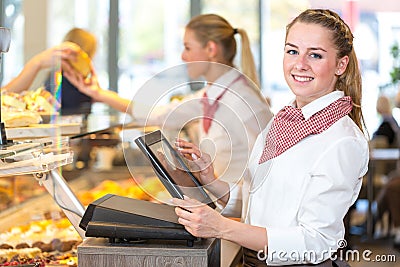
(303, 79)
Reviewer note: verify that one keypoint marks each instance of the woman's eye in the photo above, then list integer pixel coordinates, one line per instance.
(313, 55)
(292, 52)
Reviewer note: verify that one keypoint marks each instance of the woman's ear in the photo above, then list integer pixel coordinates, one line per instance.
(342, 65)
(212, 49)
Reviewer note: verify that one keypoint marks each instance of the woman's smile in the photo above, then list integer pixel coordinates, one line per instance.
(302, 79)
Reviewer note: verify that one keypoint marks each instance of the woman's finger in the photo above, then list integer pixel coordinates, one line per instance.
(189, 149)
(184, 144)
(193, 154)
(184, 222)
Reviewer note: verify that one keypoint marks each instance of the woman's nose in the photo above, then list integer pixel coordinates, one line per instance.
(301, 63)
(183, 57)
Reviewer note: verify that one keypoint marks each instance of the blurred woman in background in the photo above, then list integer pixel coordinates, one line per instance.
(72, 100)
(231, 108)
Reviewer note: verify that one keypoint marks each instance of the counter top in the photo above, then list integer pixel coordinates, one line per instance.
(43, 130)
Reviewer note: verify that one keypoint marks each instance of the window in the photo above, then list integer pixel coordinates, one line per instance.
(150, 40)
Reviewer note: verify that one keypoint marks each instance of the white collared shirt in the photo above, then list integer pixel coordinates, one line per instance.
(302, 195)
(242, 114)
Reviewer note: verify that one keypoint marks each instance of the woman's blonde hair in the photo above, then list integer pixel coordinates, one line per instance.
(342, 38)
(86, 40)
(211, 27)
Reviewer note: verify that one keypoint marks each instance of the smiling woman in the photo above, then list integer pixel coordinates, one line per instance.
(310, 65)
(332, 65)
(320, 134)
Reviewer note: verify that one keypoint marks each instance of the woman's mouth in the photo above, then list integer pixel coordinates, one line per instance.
(302, 78)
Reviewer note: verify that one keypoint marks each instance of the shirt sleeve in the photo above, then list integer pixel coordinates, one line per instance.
(333, 186)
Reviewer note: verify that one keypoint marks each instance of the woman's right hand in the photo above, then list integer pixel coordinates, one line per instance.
(198, 162)
(54, 55)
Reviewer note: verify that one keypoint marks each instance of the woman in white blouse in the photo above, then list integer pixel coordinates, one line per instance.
(306, 167)
(228, 130)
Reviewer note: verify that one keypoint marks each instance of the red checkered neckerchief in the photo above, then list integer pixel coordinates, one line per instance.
(209, 110)
(289, 126)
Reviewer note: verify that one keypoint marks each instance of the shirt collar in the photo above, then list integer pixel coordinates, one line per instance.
(319, 104)
(217, 87)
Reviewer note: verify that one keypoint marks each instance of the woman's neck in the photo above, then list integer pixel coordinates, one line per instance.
(216, 71)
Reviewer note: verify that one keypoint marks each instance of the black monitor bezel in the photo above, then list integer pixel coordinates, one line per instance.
(144, 142)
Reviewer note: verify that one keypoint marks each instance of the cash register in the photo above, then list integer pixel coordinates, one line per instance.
(123, 219)
(120, 218)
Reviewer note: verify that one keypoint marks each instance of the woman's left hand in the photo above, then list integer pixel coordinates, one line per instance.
(88, 86)
(198, 218)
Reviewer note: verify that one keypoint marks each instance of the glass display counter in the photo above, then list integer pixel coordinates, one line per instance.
(30, 241)
(42, 158)
(32, 181)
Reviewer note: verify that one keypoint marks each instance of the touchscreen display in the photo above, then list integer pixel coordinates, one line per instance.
(175, 165)
(172, 168)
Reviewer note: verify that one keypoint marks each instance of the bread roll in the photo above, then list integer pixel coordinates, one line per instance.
(19, 118)
(10, 99)
(82, 63)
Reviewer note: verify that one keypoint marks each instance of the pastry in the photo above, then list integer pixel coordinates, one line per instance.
(6, 246)
(13, 100)
(22, 245)
(13, 118)
(82, 63)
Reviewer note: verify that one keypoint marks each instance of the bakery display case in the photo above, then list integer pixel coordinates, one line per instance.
(40, 210)
(25, 240)
(46, 184)
(35, 228)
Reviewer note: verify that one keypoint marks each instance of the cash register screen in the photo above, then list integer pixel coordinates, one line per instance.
(171, 168)
(179, 173)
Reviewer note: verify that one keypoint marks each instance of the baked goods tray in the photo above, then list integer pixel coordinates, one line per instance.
(40, 155)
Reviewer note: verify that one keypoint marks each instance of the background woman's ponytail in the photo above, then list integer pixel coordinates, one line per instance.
(248, 65)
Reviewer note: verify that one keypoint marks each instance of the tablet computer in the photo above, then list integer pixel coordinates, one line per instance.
(171, 168)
